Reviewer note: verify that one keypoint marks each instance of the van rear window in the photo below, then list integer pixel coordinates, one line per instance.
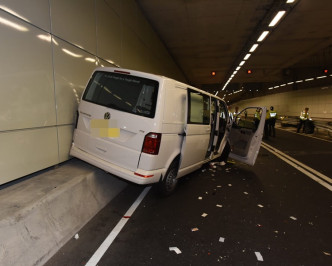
(126, 93)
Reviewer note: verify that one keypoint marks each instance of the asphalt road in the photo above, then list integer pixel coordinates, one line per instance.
(270, 212)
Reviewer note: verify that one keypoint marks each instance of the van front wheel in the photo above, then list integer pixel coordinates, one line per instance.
(168, 184)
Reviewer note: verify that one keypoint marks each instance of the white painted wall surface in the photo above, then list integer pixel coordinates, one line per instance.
(48, 51)
(319, 101)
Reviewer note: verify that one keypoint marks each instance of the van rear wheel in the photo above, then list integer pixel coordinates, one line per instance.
(169, 183)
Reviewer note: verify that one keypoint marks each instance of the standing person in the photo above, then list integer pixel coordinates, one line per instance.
(272, 122)
(266, 125)
(304, 117)
(257, 117)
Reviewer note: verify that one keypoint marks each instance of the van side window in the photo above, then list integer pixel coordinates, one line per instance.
(123, 92)
(198, 108)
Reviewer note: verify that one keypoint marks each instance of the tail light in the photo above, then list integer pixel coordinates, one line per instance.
(151, 143)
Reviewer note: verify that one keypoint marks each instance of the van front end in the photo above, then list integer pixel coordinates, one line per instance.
(140, 176)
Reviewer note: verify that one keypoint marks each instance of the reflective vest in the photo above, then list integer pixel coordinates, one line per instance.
(258, 115)
(273, 114)
(304, 115)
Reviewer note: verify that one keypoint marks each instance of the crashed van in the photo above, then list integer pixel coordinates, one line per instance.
(148, 129)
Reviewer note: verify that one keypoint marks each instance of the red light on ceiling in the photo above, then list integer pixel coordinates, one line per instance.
(326, 70)
(249, 71)
(213, 73)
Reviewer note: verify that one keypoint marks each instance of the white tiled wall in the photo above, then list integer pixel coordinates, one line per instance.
(319, 101)
(48, 50)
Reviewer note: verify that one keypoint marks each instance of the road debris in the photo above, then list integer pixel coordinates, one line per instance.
(221, 239)
(327, 253)
(194, 229)
(259, 256)
(177, 251)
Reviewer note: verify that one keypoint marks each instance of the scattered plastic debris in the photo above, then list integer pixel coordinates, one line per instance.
(200, 198)
(204, 214)
(293, 218)
(327, 253)
(221, 239)
(194, 229)
(245, 193)
(219, 205)
(76, 236)
(222, 163)
(177, 251)
(260, 205)
(259, 256)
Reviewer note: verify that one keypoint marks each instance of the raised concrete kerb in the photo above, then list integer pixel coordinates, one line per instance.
(39, 215)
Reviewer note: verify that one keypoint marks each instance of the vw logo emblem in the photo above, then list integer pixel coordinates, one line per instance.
(107, 115)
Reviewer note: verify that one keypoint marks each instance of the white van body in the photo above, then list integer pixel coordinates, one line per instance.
(153, 123)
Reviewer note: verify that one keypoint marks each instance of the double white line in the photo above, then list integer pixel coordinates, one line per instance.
(312, 173)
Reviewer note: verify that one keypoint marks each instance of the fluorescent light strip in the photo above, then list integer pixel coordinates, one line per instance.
(271, 88)
(253, 48)
(289, 83)
(263, 36)
(247, 57)
(238, 68)
(309, 79)
(277, 17)
(242, 63)
(298, 81)
(290, 1)
(321, 77)
(283, 85)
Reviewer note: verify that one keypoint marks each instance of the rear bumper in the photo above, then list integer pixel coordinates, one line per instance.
(154, 175)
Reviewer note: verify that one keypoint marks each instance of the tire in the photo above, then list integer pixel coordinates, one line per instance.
(169, 183)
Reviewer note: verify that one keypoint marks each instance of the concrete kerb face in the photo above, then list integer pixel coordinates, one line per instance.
(31, 233)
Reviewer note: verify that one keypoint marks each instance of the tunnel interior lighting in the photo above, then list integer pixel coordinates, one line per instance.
(277, 18)
(290, 1)
(263, 36)
(213, 73)
(253, 48)
(238, 68)
(242, 63)
(249, 71)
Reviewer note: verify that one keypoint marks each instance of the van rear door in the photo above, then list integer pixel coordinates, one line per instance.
(246, 134)
(116, 112)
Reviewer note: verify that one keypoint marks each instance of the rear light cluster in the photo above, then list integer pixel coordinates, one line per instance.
(151, 143)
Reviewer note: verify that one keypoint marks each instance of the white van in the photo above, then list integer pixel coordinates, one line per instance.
(147, 128)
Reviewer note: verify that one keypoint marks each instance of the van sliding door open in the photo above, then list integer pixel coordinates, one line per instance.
(246, 134)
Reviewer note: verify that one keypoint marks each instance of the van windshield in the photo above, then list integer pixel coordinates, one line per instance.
(122, 92)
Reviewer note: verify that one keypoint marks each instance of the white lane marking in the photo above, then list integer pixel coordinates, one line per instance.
(116, 230)
(298, 167)
(305, 135)
(322, 176)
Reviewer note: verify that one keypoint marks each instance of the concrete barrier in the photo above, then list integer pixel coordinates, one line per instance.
(39, 215)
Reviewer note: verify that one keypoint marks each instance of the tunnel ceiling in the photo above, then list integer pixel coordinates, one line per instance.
(215, 35)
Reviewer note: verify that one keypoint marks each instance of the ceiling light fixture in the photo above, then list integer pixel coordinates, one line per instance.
(242, 63)
(238, 68)
(263, 36)
(253, 48)
(277, 17)
(290, 1)
(247, 57)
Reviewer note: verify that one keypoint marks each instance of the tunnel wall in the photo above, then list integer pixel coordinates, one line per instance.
(319, 101)
(48, 50)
